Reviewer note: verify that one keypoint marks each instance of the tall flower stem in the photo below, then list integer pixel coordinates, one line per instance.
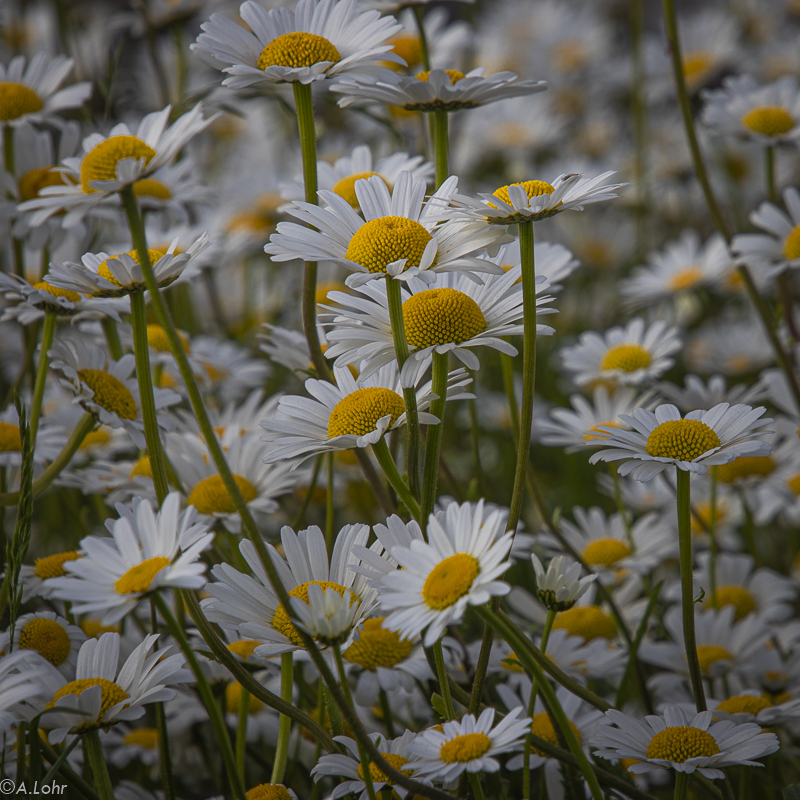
(285, 723)
(94, 754)
(423, 39)
(48, 332)
(241, 733)
(433, 445)
(164, 758)
(444, 684)
(329, 504)
(308, 148)
(395, 479)
(712, 537)
(687, 589)
(441, 147)
(112, 338)
(681, 785)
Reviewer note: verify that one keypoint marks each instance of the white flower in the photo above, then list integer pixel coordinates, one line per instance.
(50, 439)
(552, 261)
(21, 675)
(682, 743)
(700, 440)
(49, 635)
(561, 585)
(754, 706)
(695, 394)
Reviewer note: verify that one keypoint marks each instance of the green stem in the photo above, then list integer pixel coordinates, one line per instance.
(439, 123)
(745, 783)
(507, 365)
(164, 758)
(712, 538)
(477, 789)
(769, 174)
(48, 331)
(395, 479)
(621, 509)
(444, 684)
(329, 504)
(112, 338)
(687, 590)
(94, 755)
(423, 39)
(285, 723)
(681, 785)
(241, 733)
(386, 708)
(433, 446)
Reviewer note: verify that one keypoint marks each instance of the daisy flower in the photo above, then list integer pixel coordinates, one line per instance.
(627, 355)
(105, 388)
(753, 706)
(764, 114)
(469, 744)
(107, 694)
(347, 414)
(286, 347)
(451, 314)
(21, 674)
(552, 261)
(319, 40)
(30, 90)
(459, 566)
(147, 552)
(734, 345)
(561, 584)
(35, 578)
(50, 439)
(124, 744)
(227, 368)
(693, 443)
(51, 636)
(696, 394)
(401, 235)
(682, 742)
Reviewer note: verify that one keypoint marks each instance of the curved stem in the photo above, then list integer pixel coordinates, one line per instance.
(439, 122)
(48, 331)
(285, 723)
(433, 446)
(395, 479)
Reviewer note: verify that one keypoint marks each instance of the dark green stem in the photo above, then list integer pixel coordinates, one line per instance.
(433, 445)
(48, 331)
(423, 39)
(100, 776)
(681, 785)
(439, 124)
(444, 684)
(395, 479)
(285, 723)
(112, 338)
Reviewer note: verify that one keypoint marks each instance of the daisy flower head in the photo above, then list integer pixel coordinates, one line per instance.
(319, 40)
(698, 394)
(553, 261)
(36, 577)
(50, 439)
(106, 694)
(692, 443)
(561, 584)
(468, 745)
(682, 742)
(754, 706)
(459, 566)
(52, 637)
(629, 355)
(29, 90)
(347, 414)
(402, 235)
(147, 551)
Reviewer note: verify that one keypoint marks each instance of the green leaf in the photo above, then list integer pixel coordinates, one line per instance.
(438, 706)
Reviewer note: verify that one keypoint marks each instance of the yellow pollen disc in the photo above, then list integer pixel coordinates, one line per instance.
(109, 392)
(268, 791)
(100, 163)
(543, 728)
(233, 699)
(138, 579)
(454, 75)
(94, 629)
(243, 648)
(627, 763)
(105, 272)
(281, 621)
(735, 596)
(595, 431)
(397, 761)
(681, 439)
(791, 247)
(53, 566)
(111, 694)
(146, 738)
(745, 467)
(211, 497)
(157, 339)
(31, 183)
(511, 663)
(682, 742)
(382, 241)
(441, 316)
(685, 279)
(464, 748)
(152, 187)
(17, 99)
(346, 187)
(141, 467)
(378, 647)
(605, 552)
(589, 622)
(793, 483)
(99, 437)
(298, 49)
(358, 413)
(744, 704)
(49, 639)
(408, 47)
(57, 291)
(10, 438)
(710, 654)
(768, 120)
(450, 580)
(625, 357)
(696, 65)
(532, 189)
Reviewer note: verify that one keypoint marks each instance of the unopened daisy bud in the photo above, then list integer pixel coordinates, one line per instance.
(561, 585)
(329, 614)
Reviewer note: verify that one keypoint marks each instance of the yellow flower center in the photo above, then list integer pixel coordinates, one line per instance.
(532, 189)
(625, 357)
(397, 761)
(382, 241)
(157, 339)
(109, 392)
(141, 467)
(682, 742)
(57, 291)
(696, 65)
(682, 439)
(146, 738)
(281, 621)
(17, 99)
(358, 413)
(99, 437)
(32, 183)
(768, 120)
(100, 163)
(268, 791)
(378, 647)
(588, 622)
(605, 552)
(408, 46)
(450, 580)
(685, 279)
(105, 272)
(346, 187)
(440, 316)
(94, 629)
(53, 566)
(745, 467)
(137, 579)
(49, 639)
(744, 704)
(735, 596)
(511, 663)
(110, 693)
(454, 75)
(211, 497)
(10, 438)
(243, 648)
(791, 247)
(297, 49)
(595, 431)
(542, 727)
(793, 483)
(233, 700)
(152, 187)
(710, 654)
(465, 747)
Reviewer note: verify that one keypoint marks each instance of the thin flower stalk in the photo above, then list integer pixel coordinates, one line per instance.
(48, 332)
(285, 722)
(433, 447)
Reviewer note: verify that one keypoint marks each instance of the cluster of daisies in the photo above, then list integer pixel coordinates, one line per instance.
(337, 460)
